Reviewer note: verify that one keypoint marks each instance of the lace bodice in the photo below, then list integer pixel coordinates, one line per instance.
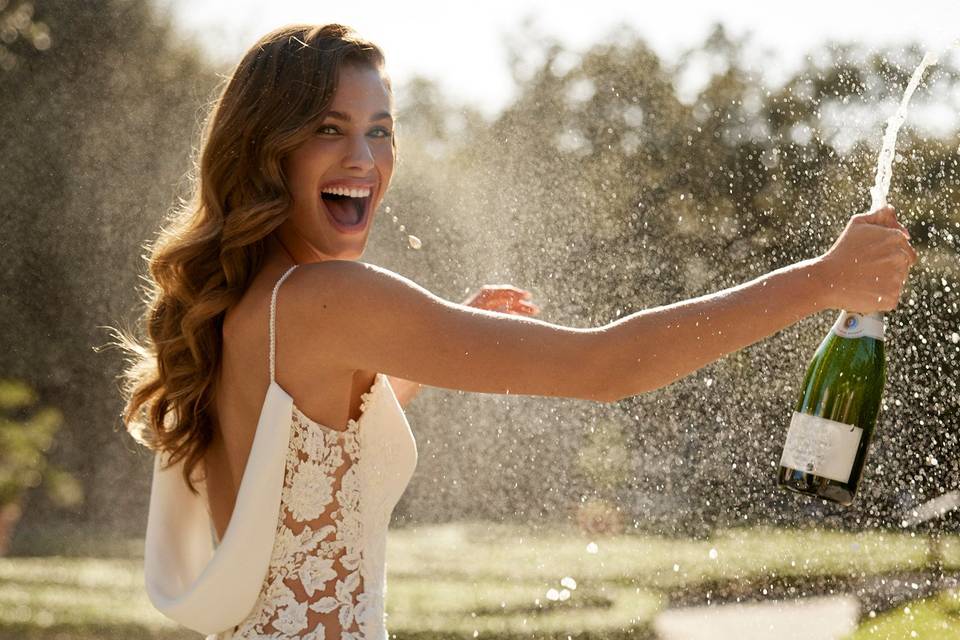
(315, 583)
(316, 567)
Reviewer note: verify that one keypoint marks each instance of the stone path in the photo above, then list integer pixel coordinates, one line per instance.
(827, 618)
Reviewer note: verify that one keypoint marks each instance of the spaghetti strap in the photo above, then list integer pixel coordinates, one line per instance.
(273, 324)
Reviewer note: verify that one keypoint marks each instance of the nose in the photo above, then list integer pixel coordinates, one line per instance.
(358, 154)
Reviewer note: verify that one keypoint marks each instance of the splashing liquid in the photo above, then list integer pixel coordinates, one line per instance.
(878, 193)
(826, 446)
(412, 240)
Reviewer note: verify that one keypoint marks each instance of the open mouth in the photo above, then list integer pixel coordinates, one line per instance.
(347, 211)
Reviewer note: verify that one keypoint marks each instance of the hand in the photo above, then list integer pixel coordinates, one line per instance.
(865, 269)
(504, 298)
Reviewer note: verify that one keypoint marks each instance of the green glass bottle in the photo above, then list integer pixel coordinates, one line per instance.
(831, 428)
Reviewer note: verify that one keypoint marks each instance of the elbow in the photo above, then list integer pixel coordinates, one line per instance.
(614, 385)
(612, 396)
(605, 378)
(606, 395)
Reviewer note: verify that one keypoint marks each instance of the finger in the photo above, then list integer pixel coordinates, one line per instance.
(521, 306)
(496, 288)
(904, 245)
(902, 228)
(495, 291)
(882, 216)
(516, 292)
(911, 252)
(511, 296)
(887, 217)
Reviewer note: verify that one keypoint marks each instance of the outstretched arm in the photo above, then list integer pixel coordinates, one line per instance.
(365, 317)
(653, 348)
(504, 298)
(863, 271)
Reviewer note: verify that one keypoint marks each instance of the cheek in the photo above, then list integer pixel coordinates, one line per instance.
(385, 159)
(294, 168)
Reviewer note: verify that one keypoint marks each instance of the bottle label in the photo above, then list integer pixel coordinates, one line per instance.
(857, 325)
(820, 446)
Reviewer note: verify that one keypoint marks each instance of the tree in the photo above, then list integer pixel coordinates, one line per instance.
(98, 127)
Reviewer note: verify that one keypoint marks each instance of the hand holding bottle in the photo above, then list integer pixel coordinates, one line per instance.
(866, 267)
(826, 446)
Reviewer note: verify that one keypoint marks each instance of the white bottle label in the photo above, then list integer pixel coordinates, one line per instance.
(857, 325)
(820, 446)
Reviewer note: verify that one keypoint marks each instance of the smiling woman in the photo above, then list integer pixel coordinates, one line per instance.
(338, 177)
(282, 446)
(268, 515)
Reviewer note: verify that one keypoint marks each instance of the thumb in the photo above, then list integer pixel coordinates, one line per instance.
(885, 217)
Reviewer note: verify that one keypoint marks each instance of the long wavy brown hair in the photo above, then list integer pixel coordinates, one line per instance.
(211, 247)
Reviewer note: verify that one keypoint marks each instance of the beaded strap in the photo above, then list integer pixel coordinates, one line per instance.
(273, 324)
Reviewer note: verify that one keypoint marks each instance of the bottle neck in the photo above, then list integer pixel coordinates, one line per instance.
(859, 325)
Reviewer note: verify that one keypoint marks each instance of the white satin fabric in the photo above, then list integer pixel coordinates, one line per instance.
(217, 588)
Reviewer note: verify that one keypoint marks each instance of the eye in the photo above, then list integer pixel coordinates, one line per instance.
(381, 132)
(327, 129)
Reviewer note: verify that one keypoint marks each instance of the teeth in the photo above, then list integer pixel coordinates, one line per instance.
(343, 191)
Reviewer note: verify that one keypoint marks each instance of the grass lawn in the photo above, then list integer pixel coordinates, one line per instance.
(936, 618)
(488, 580)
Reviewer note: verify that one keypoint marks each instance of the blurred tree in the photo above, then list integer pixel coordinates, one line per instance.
(20, 32)
(610, 194)
(26, 433)
(97, 135)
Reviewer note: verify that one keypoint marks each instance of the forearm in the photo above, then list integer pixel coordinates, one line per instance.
(653, 348)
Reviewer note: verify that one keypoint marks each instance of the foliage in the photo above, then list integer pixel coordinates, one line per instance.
(18, 30)
(97, 133)
(611, 192)
(26, 435)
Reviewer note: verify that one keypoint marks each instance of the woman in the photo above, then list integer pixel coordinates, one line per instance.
(277, 364)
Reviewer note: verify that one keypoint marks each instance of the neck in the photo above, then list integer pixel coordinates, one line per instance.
(285, 250)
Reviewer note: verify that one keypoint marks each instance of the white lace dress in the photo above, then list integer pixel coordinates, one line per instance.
(315, 568)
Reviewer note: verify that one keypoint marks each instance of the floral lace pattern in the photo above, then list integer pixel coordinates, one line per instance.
(315, 584)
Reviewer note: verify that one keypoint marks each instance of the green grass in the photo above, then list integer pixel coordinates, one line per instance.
(484, 580)
(77, 598)
(935, 618)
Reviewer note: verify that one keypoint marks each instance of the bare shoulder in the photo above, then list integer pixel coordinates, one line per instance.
(346, 281)
(337, 293)
(359, 316)
(335, 308)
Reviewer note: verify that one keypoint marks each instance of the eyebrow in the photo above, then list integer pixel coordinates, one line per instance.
(383, 115)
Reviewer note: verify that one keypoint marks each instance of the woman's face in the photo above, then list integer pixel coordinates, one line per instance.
(338, 177)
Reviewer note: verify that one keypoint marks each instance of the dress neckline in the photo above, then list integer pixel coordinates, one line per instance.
(352, 423)
(352, 428)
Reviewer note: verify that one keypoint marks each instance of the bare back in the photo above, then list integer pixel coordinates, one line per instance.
(328, 395)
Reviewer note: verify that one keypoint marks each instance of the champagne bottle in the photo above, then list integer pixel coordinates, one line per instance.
(833, 423)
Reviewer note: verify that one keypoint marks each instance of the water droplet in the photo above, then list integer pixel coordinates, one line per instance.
(568, 582)
(414, 242)
(713, 554)
(592, 547)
